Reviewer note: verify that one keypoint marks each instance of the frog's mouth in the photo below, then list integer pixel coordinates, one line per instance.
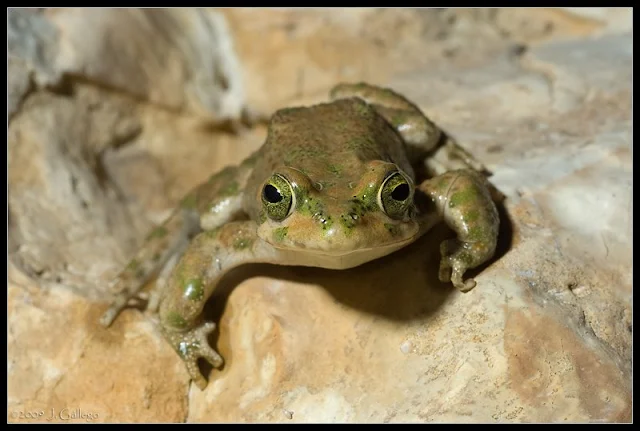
(302, 255)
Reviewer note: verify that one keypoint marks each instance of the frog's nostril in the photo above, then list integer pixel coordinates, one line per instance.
(324, 220)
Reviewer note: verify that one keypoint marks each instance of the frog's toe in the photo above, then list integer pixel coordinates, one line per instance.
(193, 345)
(205, 350)
(454, 263)
(459, 283)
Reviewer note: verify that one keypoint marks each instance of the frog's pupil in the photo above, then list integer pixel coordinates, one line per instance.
(271, 194)
(401, 192)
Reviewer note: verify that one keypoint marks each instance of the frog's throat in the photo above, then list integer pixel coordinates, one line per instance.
(336, 259)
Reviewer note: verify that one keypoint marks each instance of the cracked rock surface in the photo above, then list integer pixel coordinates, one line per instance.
(115, 114)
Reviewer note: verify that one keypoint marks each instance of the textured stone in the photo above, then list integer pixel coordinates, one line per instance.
(60, 206)
(178, 58)
(544, 337)
(63, 364)
(32, 47)
(32, 37)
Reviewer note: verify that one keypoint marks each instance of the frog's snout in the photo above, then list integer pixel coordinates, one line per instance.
(350, 219)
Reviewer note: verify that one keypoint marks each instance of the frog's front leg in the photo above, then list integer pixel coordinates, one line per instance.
(462, 199)
(193, 280)
(207, 206)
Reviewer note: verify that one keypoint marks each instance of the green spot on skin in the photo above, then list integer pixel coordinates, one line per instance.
(363, 109)
(294, 155)
(175, 320)
(463, 197)
(466, 258)
(476, 233)
(325, 221)
(133, 265)
(442, 184)
(251, 160)
(340, 126)
(399, 119)
(213, 233)
(335, 169)
(393, 229)
(189, 202)
(366, 201)
(280, 233)
(159, 232)
(359, 144)
(231, 189)
(348, 223)
(471, 215)
(308, 205)
(242, 243)
(225, 174)
(193, 289)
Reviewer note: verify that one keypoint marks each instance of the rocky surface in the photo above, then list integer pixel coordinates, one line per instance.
(109, 128)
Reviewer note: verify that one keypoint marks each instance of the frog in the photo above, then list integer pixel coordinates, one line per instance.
(334, 185)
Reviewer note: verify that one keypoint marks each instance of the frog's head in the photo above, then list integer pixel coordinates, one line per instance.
(340, 225)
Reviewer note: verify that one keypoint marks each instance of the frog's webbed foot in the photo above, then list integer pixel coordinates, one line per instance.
(192, 345)
(462, 199)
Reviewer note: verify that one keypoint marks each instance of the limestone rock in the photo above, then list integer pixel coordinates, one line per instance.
(178, 58)
(32, 47)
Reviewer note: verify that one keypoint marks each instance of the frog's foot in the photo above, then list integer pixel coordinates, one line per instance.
(192, 345)
(463, 201)
(454, 263)
(122, 301)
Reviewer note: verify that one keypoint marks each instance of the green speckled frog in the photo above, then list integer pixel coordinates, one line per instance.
(333, 186)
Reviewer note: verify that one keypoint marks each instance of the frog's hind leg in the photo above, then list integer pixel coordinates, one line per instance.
(418, 132)
(160, 245)
(425, 141)
(449, 156)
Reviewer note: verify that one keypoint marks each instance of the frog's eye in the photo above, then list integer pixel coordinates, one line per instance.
(278, 197)
(395, 195)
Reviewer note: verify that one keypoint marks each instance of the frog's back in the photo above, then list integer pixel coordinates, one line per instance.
(330, 142)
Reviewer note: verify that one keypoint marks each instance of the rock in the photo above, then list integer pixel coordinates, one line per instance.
(32, 38)
(180, 59)
(176, 58)
(32, 47)
(544, 337)
(64, 368)
(60, 206)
